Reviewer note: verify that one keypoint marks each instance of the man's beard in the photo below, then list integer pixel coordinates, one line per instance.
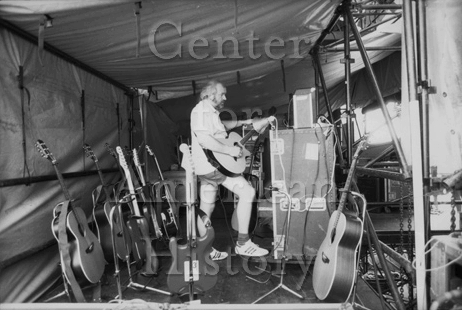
(218, 105)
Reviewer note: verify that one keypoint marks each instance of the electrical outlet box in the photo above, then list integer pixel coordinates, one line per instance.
(284, 204)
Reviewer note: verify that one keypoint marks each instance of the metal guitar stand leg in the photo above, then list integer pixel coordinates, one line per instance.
(130, 284)
(116, 259)
(284, 257)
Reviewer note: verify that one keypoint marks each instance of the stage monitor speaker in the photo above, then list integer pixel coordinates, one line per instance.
(302, 164)
(304, 108)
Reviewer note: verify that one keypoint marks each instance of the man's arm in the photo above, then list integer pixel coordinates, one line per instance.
(233, 124)
(209, 142)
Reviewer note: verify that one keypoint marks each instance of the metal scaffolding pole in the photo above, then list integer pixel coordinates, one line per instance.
(421, 215)
(373, 79)
(347, 61)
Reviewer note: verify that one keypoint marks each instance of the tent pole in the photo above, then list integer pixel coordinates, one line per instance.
(373, 79)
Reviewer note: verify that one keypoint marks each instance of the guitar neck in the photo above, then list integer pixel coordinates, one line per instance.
(131, 189)
(346, 188)
(67, 195)
(247, 137)
(101, 177)
(128, 178)
(139, 169)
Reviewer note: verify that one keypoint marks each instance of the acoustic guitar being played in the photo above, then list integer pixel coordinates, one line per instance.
(234, 166)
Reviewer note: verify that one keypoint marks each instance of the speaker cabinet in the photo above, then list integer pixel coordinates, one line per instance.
(302, 166)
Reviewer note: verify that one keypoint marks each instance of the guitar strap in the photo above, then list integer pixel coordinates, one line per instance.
(65, 254)
(203, 216)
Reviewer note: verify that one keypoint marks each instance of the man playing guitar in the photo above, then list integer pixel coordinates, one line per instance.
(207, 129)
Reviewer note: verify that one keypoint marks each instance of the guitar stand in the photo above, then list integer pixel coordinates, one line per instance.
(130, 284)
(284, 257)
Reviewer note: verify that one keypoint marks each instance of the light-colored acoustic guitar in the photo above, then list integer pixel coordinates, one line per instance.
(334, 269)
(234, 166)
(87, 258)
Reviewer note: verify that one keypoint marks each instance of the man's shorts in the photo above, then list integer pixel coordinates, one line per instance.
(214, 178)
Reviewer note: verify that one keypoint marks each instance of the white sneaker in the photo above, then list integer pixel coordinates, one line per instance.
(217, 255)
(250, 249)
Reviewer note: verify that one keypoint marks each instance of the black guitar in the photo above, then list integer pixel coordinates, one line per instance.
(87, 258)
(169, 216)
(334, 269)
(149, 210)
(101, 213)
(143, 252)
(189, 271)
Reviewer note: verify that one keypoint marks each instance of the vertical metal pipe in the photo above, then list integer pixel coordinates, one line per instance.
(421, 215)
(370, 72)
(130, 123)
(347, 60)
(315, 55)
(317, 86)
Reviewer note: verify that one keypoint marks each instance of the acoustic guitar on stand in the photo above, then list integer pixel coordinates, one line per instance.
(87, 258)
(143, 252)
(334, 269)
(234, 166)
(101, 214)
(149, 210)
(169, 219)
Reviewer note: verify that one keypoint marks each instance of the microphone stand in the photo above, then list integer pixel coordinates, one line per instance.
(284, 257)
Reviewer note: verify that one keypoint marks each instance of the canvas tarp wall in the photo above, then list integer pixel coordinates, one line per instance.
(52, 113)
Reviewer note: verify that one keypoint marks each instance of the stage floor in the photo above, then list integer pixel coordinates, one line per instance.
(239, 280)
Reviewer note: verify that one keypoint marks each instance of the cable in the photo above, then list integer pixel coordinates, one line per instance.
(313, 186)
(429, 250)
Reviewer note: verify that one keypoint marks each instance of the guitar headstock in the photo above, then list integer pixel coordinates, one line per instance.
(187, 162)
(123, 162)
(148, 148)
(110, 150)
(45, 152)
(136, 158)
(362, 146)
(89, 152)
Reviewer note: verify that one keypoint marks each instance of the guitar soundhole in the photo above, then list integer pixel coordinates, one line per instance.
(90, 248)
(325, 259)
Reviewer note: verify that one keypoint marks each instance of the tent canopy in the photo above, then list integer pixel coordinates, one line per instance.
(174, 47)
